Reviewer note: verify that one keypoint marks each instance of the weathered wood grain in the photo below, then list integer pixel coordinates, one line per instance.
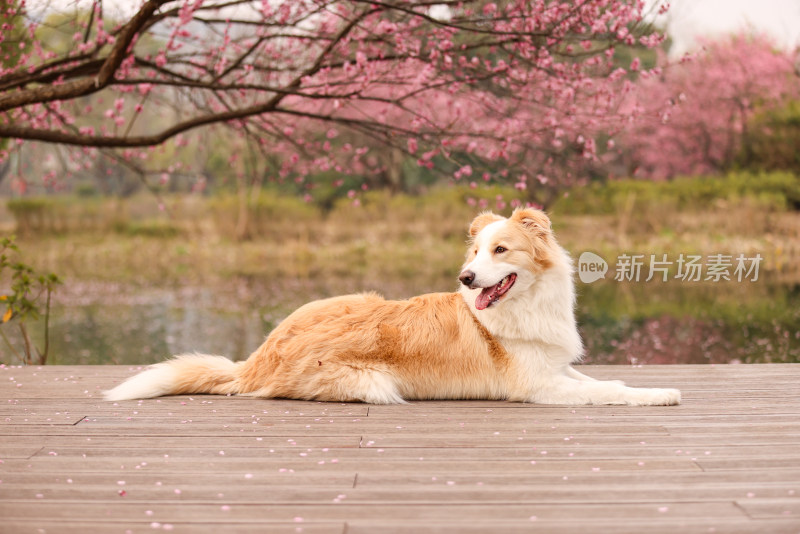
(726, 460)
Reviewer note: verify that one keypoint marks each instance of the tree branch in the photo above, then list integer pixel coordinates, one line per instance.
(86, 86)
(78, 139)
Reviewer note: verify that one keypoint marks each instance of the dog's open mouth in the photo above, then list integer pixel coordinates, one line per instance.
(490, 295)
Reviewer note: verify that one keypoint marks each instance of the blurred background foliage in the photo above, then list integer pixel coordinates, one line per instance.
(213, 249)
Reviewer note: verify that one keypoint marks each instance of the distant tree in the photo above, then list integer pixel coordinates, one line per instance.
(772, 139)
(696, 114)
(514, 90)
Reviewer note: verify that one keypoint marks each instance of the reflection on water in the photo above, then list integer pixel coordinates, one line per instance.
(726, 322)
(622, 324)
(146, 333)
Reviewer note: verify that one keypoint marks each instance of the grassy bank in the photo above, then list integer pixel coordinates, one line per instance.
(192, 240)
(141, 282)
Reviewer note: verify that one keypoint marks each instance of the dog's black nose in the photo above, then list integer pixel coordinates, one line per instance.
(467, 277)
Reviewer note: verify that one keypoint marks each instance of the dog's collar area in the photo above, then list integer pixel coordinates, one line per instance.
(490, 295)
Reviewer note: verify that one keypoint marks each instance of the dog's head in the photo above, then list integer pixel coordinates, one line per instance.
(505, 256)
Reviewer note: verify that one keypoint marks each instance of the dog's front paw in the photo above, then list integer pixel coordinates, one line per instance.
(659, 397)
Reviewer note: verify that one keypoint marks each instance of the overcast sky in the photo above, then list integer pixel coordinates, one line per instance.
(688, 20)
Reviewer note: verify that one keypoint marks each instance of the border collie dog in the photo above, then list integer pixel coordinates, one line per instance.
(509, 333)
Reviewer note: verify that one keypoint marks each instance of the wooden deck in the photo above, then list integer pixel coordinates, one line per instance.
(726, 460)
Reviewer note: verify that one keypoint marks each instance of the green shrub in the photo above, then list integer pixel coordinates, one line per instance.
(21, 303)
(773, 191)
(269, 215)
(442, 212)
(30, 214)
(152, 228)
(62, 214)
(772, 139)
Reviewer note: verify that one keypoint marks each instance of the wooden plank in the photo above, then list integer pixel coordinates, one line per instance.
(34, 419)
(748, 464)
(629, 439)
(419, 465)
(222, 511)
(440, 491)
(772, 508)
(570, 526)
(756, 426)
(198, 431)
(490, 430)
(184, 411)
(214, 480)
(698, 526)
(71, 436)
(84, 526)
(746, 480)
(80, 442)
(18, 452)
(593, 413)
(228, 406)
(588, 424)
(182, 447)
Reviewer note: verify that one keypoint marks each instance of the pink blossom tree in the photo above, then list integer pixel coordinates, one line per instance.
(696, 113)
(512, 91)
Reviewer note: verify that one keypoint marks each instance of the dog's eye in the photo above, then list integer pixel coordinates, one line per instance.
(499, 250)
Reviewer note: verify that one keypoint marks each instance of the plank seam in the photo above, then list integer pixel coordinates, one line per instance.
(37, 451)
(699, 465)
(744, 510)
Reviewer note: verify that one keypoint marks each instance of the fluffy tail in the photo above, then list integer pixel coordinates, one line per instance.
(185, 374)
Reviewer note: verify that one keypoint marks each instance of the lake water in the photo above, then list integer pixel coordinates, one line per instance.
(621, 323)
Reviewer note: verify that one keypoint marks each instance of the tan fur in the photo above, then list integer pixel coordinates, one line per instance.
(481, 221)
(532, 219)
(198, 373)
(429, 347)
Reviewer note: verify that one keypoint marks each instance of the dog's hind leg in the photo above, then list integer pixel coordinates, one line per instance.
(345, 384)
(373, 387)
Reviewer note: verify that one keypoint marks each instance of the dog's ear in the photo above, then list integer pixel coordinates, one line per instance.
(481, 221)
(532, 219)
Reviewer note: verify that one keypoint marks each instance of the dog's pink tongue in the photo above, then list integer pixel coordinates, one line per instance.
(486, 297)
